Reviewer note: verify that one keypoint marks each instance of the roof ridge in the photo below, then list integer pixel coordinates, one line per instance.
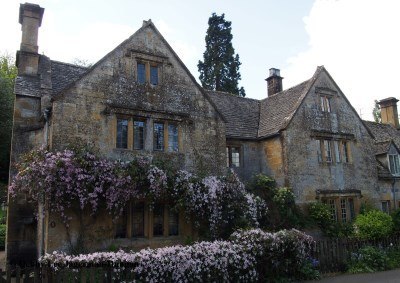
(231, 94)
(288, 89)
(69, 64)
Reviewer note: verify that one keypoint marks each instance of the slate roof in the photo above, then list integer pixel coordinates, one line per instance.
(53, 75)
(255, 119)
(382, 147)
(63, 74)
(241, 114)
(384, 132)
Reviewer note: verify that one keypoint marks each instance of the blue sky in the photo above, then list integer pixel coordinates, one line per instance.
(356, 40)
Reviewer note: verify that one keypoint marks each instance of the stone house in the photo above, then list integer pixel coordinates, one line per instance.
(140, 98)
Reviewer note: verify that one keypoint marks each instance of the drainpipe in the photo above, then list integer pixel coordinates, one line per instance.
(41, 210)
(394, 193)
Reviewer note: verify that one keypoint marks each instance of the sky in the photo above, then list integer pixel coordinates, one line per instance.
(358, 41)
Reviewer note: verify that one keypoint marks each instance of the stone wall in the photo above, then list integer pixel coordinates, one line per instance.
(306, 173)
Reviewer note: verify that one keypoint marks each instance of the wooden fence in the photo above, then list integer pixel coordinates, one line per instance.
(333, 254)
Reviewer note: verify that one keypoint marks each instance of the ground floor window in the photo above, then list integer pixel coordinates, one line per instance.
(140, 220)
(386, 206)
(342, 208)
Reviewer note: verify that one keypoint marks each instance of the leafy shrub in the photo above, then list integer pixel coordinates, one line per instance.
(396, 220)
(2, 236)
(250, 256)
(320, 214)
(368, 259)
(373, 225)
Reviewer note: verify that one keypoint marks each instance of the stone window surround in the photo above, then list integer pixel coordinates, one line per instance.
(395, 171)
(326, 98)
(229, 147)
(148, 219)
(340, 150)
(148, 133)
(351, 199)
(149, 60)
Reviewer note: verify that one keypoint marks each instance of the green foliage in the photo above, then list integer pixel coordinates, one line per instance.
(369, 259)
(320, 213)
(282, 210)
(373, 225)
(376, 112)
(2, 236)
(8, 73)
(396, 220)
(220, 68)
(366, 207)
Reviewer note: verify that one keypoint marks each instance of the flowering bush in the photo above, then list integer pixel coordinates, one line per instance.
(69, 179)
(237, 260)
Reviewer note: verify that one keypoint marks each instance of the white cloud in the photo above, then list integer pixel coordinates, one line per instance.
(358, 42)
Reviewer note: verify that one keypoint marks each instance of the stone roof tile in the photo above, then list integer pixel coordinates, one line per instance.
(241, 114)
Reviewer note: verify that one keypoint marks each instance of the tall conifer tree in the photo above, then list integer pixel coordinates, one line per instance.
(220, 68)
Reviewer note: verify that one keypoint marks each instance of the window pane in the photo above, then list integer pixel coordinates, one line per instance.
(345, 152)
(332, 206)
(173, 223)
(385, 206)
(158, 136)
(158, 220)
(227, 157)
(173, 138)
(122, 133)
(343, 210)
(351, 208)
(120, 230)
(328, 151)
(396, 164)
(138, 135)
(327, 104)
(141, 73)
(138, 220)
(235, 155)
(318, 143)
(154, 75)
(337, 151)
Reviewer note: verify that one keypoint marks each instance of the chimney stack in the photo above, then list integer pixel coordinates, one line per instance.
(389, 111)
(274, 81)
(30, 17)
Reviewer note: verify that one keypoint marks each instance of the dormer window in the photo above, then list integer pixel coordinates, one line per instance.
(325, 103)
(394, 164)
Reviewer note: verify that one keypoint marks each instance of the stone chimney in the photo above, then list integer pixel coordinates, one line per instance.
(389, 111)
(274, 81)
(30, 18)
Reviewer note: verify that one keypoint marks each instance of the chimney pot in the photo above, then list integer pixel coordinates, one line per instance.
(274, 81)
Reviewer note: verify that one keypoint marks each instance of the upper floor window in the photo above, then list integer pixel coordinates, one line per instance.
(141, 73)
(333, 151)
(148, 72)
(232, 156)
(122, 133)
(394, 165)
(138, 135)
(325, 103)
(154, 75)
(158, 138)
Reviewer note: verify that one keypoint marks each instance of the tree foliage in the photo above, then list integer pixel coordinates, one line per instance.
(376, 112)
(8, 72)
(220, 68)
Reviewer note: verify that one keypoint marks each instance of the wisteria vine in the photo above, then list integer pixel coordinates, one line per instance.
(67, 179)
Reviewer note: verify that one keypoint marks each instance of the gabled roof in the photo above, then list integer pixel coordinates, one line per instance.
(384, 132)
(241, 114)
(257, 119)
(276, 111)
(382, 147)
